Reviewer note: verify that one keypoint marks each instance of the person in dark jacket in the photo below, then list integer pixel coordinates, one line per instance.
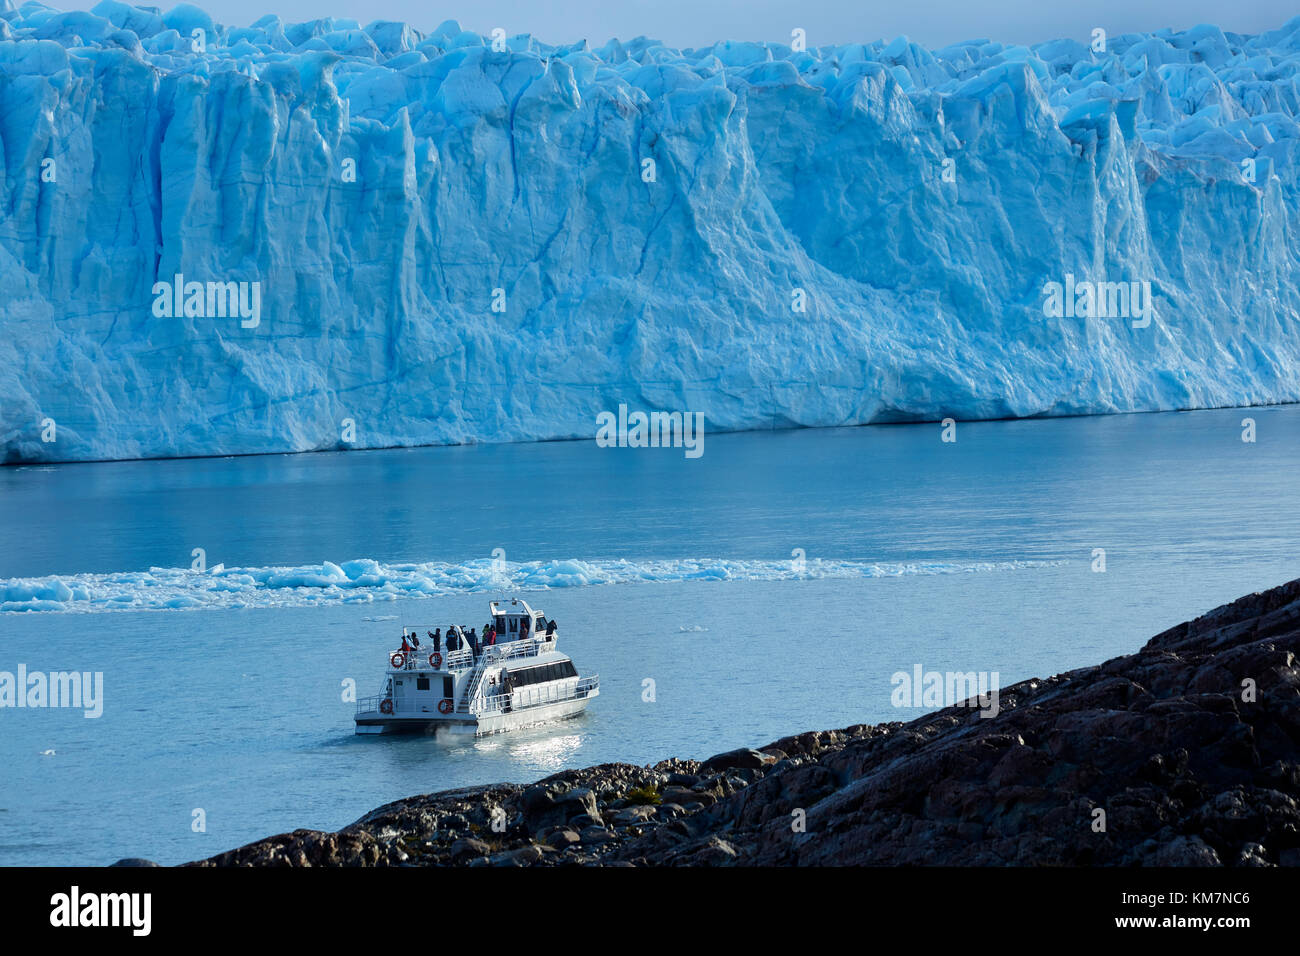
(506, 690)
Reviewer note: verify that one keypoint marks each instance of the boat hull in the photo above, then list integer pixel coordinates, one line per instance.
(480, 725)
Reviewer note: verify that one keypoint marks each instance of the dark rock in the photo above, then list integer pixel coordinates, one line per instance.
(562, 838)
(1251, 854)
(634, 815)
(678, 795)
(463, 850)
(543, 807)
(523, 856)
(745, 757)
(594, 836)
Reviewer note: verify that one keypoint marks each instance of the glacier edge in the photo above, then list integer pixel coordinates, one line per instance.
(386, 187)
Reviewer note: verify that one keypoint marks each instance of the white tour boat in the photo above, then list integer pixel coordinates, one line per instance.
(509, 677)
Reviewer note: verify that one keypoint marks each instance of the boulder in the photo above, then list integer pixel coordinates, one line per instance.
(563, 838)
(742, 758)
(464, 850)
(543, 807)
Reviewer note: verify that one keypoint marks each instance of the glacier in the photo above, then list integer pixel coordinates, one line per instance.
(465, 238)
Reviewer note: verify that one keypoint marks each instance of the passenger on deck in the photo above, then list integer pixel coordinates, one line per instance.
(550, 630)
(415, 641)
(473, 640)
(453, 642)
(436, 637)
(406, 645)
(490, 637)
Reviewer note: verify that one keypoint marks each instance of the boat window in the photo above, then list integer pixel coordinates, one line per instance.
(542, 673)
(422, 683)
(514, 623)
(448, 686)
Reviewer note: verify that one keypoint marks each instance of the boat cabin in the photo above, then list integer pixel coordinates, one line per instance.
(421, 693)
(517, 621)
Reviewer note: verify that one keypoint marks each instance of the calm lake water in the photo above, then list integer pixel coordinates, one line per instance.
(771, 586)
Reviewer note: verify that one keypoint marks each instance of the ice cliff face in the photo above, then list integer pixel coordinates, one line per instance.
(436, 240)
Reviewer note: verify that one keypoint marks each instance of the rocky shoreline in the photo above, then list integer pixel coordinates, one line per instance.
(1190, 749)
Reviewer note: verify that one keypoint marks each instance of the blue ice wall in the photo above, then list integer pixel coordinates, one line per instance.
(449, 242)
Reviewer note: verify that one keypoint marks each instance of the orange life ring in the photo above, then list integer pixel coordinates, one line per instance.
(446, 705)
(398, 660)
(386, 705)
(435, 660)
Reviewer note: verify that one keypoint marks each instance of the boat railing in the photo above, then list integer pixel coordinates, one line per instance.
(510, 650)
(421, 659)
(372, 705)
(525, 698)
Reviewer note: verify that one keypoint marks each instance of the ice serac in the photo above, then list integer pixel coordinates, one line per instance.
(459, 241)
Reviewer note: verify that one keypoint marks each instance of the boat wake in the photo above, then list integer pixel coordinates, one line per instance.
(366, 581)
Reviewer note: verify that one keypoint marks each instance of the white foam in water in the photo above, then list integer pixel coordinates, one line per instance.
(365, 580)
